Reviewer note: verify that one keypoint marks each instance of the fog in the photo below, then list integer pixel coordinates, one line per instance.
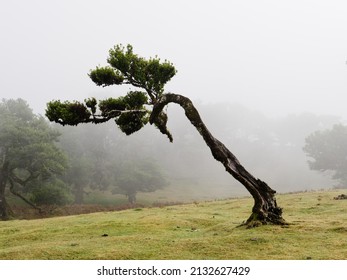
(270, 148)
(277, 57)
(264, 74)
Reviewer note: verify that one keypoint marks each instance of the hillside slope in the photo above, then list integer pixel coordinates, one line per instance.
(194, 231)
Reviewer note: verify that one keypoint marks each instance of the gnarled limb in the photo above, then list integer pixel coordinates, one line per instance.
(13, 191)
(265, 209)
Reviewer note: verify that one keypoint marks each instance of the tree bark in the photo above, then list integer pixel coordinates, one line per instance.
(265, 209)
(5, 210)
(5, 178)
(13, 191)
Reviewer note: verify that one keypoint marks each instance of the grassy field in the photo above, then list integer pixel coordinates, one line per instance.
(318, 230)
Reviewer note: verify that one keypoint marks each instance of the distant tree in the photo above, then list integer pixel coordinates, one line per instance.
(28, 154)
(89, 159)
(142, 176)
(134, 110)
(99, 160)
(328, 149)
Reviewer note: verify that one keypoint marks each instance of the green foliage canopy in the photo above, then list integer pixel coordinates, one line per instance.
(130, 112)
(27, 141)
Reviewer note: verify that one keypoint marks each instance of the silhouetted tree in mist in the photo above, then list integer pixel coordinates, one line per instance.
(138, 176)
(29, 158)
(328, 151)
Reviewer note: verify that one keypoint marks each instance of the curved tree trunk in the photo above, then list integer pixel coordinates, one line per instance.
(265, 209)
(13, 191)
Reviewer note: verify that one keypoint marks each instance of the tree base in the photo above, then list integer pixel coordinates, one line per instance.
(256, 219)
(5, 211)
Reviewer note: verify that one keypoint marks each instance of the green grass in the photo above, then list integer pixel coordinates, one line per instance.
(178, 192)
(206, 230)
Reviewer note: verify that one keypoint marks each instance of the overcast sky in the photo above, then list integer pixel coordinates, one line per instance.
(274, 56)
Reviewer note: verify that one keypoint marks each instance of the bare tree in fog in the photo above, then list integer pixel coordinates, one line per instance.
(134, 110)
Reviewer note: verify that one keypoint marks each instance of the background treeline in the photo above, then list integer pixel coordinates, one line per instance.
(56, 165)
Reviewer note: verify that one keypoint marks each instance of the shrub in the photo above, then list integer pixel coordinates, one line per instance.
(52, 193)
